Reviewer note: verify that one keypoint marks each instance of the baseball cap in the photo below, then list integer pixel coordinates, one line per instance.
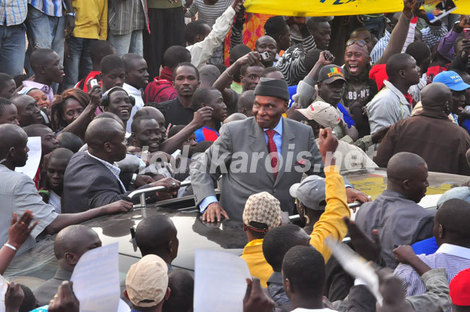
(147, 281)
(262, 212)
(330, 73)
(452, 80)
(459, 288)
(310, 192)
(323, 113)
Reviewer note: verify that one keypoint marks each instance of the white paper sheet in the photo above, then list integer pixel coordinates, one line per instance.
(3, 291)
(219, 281)
(123, 307)
(34, 157)
(96, 279)
(356, 266)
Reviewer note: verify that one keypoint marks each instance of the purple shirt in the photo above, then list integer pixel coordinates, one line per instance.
(446, 45)
(28, 84)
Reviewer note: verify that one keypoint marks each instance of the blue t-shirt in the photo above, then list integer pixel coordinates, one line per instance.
(346, 117)
(426, 246)
(292, 91)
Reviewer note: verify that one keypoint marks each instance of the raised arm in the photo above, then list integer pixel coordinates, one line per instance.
(201, 116)
(306, 88)
(331, 221)
(446, 45)
(17, 234)
(79, 125)
(225, 79)
(400, 32)
(202, 51)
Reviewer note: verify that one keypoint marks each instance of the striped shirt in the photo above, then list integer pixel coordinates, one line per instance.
(207, 13)
(379, 47)
(292, 64)
(127, 16)
(453, 258)
(432, 35)
(13, 12)
(48, 7)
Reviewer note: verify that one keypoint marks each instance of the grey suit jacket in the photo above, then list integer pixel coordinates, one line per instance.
(240, 156)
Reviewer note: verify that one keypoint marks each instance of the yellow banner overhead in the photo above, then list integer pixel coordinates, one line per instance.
(334, 7)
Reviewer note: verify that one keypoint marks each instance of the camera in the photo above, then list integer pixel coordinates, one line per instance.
(94, 83)
(265, 56)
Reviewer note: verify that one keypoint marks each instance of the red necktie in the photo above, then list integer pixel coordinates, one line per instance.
(272, 148)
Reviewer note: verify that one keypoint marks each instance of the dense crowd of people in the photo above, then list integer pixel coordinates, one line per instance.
(269, 111)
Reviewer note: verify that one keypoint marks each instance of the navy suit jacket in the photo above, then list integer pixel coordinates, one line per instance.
(89, 184)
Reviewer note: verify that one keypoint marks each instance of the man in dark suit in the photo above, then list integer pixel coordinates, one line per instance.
(92, 178)
(262, 153)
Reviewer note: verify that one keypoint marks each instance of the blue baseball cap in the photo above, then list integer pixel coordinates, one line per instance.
(452, 80)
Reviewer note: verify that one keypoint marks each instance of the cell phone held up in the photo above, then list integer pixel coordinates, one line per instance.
(466, 33)
(94, 83)
(265, 56)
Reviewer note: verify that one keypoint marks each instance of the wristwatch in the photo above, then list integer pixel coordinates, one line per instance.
(71, 14)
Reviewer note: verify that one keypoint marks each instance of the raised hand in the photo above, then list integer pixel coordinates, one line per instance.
(19, 229)
(256, 299)
(202, 115)
(64, 300)
(13, 297)
(237, 5)
(327, 145)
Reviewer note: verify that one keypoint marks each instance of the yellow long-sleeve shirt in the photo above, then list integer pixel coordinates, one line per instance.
(330, 224)
(91, 19)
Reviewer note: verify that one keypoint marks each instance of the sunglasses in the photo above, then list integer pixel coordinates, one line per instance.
(359, 42)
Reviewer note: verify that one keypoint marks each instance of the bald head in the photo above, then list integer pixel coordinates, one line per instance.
(436, 96)
(152, 112)
(265, 39)
(12, 136)
(102, 130)
(208, 75)
(235, 117)
(454, 218)
(407, 174)
(245, 103)
(402, 165)
(37, 130)
(28, 110)
(61, 153)
(72, 242)
(157, 235)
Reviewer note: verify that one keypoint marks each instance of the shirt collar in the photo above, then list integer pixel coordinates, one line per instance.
(454, 250)
(277, 128)
(131, 89)
(397, 92)
(112, 167)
